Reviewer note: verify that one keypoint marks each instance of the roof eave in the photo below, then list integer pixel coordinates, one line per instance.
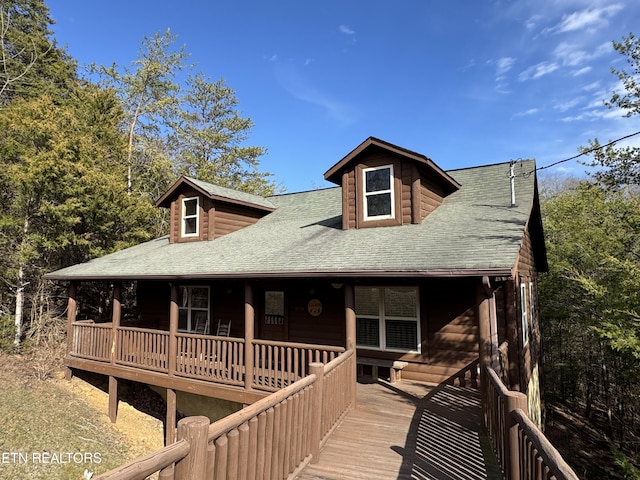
(331, 175)
(165, 200)
(442, 272)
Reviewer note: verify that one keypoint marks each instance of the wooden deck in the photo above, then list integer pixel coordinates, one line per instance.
(408, 430)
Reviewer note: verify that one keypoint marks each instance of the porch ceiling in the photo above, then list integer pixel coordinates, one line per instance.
(474, 232)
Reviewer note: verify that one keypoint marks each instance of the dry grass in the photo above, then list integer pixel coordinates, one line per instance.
(48, 430)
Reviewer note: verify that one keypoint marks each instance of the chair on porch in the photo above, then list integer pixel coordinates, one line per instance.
(224, 328)
(202, 324)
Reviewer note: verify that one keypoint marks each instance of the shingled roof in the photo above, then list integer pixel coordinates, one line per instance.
(475, 231)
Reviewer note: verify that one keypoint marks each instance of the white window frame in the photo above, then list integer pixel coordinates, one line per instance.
(191, 309)
(186, 217)
(532, 304)
(365, 194)
(524, 308)
(382, 317)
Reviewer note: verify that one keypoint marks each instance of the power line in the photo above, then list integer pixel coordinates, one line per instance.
(586, 152)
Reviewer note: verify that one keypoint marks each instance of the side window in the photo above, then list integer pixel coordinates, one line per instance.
(190, 217)
(524, 308)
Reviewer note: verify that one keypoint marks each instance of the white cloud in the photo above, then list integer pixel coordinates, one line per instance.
(581, 71)
(503, 65)
(301, 88)
(526, 113)
(590, 18)
(571, 55)
(347, 30)
(532, 22)
(569, 104)
(592, 86)
(537, 71)
(596, 114)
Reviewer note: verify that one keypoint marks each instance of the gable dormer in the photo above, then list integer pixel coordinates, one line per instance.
(204, 211)
(386, 185)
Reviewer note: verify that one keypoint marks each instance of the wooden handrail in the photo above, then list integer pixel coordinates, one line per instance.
(551, 458)
(140, 468)
(236, 419)
(310, 346)
(336, 362)
(522, 449)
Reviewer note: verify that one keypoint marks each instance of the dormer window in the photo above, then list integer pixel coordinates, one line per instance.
(378, 193)
(190, 214)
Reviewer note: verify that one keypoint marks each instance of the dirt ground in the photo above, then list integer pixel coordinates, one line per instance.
(143, 432)
(54, 413)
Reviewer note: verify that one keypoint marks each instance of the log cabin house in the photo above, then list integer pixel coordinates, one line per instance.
(424, 272)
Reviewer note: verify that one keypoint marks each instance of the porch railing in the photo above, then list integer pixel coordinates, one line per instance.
(274, 438)
(91, 340)
(218, 359)
(278, 364)
(522, 449)
(142, 348)
(201, 357)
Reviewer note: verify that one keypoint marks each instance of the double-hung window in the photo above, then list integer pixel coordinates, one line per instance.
(193, 309)
(378, 193)
(524, 310)
(190, 217)
(387, 318)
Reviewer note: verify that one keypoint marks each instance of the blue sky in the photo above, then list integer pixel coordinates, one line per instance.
(466, 83)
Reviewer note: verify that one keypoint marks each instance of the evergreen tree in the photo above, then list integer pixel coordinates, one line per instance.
(30, 62)
(622, 164)
(64, 188)
(209, 139)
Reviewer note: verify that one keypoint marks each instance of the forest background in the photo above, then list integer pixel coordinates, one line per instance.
(85, 154)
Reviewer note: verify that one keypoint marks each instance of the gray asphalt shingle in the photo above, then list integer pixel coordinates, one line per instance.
(474, 229)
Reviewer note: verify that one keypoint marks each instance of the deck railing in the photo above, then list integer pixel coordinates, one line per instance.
(201, 357)
(278, 364)
(274, 438)
(142, 348)
(522, 449)
(218, 359)
(91, 340)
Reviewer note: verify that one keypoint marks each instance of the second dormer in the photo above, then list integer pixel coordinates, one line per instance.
(386, 185)
(204, 211)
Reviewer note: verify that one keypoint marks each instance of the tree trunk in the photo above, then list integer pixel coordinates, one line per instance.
(19, 318)
(19, 307)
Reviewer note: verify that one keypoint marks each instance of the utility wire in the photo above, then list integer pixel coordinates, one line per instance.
(586, 152)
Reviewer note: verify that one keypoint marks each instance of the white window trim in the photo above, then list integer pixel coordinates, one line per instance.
(190, 325)
(185, 217)
(365, 194)
(532, 304)
(524, 307)
(381, 317)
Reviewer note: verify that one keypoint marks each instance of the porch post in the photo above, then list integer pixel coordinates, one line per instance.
(512, 334)
(484, 340)
(350, 315)
(115, 319)
(72, 311)
(113, 399)
(170, 425)
(174, 313)
(484, 325)
(249, 326)
(350, 319)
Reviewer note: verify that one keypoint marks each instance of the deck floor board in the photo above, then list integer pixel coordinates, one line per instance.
(408, 430)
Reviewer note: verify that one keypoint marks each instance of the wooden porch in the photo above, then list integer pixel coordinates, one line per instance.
(408, 430)
(203, 364)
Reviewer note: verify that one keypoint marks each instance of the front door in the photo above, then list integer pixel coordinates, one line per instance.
(273, 325)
